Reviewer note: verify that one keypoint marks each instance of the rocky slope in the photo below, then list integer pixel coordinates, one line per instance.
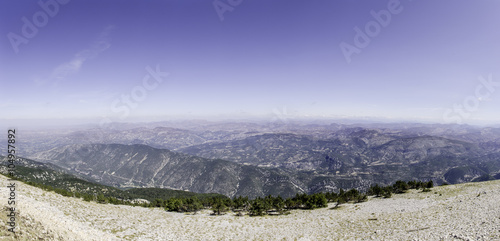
(144, 166)
(455, 212)
(297, 156)
(352, 150)
(332, 165)
(373, 154)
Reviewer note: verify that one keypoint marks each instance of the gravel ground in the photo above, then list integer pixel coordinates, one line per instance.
(455, 212)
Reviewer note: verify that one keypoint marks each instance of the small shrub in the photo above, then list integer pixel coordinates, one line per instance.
(426, 190)
(387, 194)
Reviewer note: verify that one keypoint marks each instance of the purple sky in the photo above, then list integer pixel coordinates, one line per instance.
(265, 56)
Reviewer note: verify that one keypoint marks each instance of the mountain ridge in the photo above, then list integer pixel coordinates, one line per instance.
(146, 166)
(283, 159)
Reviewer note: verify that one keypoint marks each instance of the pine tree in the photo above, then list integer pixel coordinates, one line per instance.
(257, 207)
(279, 204)
(400, 186)
(219, 207)
(340, 200)
(430, 184)
(101, 198)
(376, 190)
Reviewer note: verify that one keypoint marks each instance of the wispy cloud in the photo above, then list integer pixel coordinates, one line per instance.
(74, 65)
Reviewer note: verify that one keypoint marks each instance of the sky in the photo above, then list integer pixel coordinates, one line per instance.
(119, 61)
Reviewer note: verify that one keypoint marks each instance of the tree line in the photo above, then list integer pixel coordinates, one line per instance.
(269, 205)
(399, 187)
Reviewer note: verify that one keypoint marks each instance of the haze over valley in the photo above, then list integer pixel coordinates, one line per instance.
(255, 159)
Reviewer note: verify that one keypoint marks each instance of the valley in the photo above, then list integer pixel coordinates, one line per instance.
(260, 159)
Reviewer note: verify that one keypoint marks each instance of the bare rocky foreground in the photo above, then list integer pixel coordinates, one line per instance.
(459, 212)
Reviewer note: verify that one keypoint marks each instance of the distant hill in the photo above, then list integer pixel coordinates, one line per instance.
(53, 176)
(353, 164)
(256, 159)
(377, 155)
(143, 166)
(363, 147)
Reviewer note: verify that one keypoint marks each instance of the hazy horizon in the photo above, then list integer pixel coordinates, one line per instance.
(89, 123)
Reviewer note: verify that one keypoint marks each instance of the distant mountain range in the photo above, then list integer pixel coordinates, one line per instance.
(145, 166)
(259, 159)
